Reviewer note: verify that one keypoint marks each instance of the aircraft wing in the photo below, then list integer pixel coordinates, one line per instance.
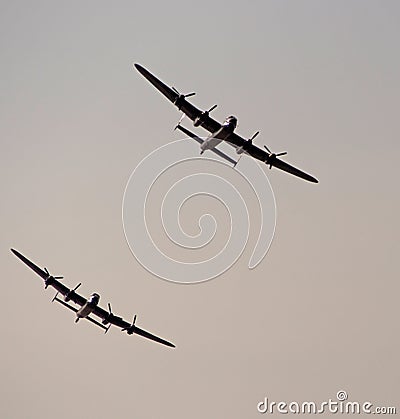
(280, 164)
(187, 108)
(34, 267)
(213, 126)
(123, 324)
(110, 317)
(61, 288)
(258, 153)
(148, 335)
(78, 299)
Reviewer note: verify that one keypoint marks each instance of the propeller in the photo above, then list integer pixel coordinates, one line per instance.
(49, 279)
(254, 136)
(181, 95)
(128, 329)
(107, 319)
(55, 277)
(70, 293)
(273, 156)
(210, 110)
(179, 122)
(199, 120)
(109, 315)
(80, 283)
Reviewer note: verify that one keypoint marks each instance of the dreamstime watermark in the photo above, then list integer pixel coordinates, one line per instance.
(341, 405)
(137, 199)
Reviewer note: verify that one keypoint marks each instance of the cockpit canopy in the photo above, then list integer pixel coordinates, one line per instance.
(95, 297)
(231, 120)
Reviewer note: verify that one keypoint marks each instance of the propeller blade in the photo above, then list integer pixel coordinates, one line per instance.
(181, 118)
(180, 95)
(275, 154)
(179, 122)
(47, 272)
(109, 308)
(212, 108)
(58, 277)
(80, 283)
(132, 325)
(254, 136)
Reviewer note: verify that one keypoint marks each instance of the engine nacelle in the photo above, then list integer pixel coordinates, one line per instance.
(71, 293)
(198, 121)
(69, 296)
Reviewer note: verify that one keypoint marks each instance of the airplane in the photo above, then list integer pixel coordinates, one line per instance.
(88, 307)
(220, 132)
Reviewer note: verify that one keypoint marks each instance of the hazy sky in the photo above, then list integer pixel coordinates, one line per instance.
(319, 79)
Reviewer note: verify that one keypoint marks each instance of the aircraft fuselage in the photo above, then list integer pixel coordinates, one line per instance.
(222, 134)
(88, 307)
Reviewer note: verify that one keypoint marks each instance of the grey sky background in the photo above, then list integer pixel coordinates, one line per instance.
(319, 79)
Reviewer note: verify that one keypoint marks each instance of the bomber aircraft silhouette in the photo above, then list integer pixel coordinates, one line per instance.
(220, 132)
(88, 307)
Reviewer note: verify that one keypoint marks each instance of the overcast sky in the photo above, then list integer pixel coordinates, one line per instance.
(319, 79)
